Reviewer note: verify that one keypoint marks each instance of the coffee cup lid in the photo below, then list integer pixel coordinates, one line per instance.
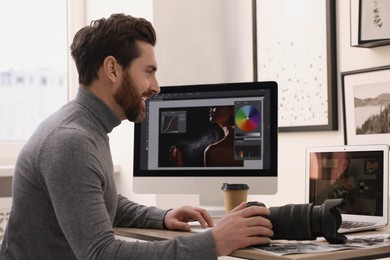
(235, 186)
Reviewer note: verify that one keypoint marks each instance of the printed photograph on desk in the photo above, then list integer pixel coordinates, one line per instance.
(354, 242)
(366, 97)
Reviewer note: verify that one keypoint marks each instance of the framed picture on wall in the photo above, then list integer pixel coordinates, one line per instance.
(302, 61)
(374, 20)
(366, 103)
(370, 23)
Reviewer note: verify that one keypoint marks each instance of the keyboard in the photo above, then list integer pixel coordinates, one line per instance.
(353, 224)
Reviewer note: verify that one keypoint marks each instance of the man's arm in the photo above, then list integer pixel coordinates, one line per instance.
(75, 184)
(131, 214)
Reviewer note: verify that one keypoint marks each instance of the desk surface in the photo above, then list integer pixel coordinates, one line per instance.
(250, 253)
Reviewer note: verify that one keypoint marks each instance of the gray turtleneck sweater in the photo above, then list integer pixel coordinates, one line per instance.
(65, 203)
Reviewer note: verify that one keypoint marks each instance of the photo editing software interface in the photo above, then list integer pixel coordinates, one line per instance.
(211, 131)
(354, 176)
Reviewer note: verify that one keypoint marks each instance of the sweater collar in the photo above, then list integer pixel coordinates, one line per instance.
(98, 108)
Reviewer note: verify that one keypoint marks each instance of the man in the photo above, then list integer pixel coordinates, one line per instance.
(65, 203)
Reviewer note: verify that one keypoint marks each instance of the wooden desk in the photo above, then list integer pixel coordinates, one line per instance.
(250, 253)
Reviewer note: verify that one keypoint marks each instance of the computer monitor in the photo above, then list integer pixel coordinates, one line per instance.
(196, 137)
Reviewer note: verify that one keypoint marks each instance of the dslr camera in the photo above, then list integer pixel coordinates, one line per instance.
(306, 221)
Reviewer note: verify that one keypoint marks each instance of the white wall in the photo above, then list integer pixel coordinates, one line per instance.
(203, 41)
(192, 48)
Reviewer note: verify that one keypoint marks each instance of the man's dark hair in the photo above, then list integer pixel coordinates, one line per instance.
(115, 36)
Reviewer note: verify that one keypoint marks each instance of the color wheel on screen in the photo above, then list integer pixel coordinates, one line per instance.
(247, 118)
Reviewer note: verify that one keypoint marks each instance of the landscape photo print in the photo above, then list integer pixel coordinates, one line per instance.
(366, 95)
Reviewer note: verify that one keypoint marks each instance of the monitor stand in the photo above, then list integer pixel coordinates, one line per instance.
(212, 203)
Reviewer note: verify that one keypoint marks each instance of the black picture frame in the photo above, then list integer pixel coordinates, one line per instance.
(370, 23)
(307, 101)
(365, 105)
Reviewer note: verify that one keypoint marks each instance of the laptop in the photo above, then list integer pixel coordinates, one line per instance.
(356, 173)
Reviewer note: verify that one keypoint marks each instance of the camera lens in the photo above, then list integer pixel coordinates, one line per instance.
(306, 221)
(292, 222)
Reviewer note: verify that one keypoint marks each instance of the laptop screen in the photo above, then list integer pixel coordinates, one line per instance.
(355, 176)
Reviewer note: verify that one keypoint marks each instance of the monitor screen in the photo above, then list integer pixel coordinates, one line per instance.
(195, 138)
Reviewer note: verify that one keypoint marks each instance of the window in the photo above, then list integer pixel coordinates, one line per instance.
(35, 78)
(33, 65)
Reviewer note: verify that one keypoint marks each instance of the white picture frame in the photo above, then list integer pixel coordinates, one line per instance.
(366, 101)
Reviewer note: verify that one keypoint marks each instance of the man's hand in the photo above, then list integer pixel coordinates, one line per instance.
(242, 227)
(177, 219)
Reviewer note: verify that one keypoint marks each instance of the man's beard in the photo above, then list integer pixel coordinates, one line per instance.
(130, 100)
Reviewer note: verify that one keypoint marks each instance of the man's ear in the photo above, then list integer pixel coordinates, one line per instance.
(111, 68)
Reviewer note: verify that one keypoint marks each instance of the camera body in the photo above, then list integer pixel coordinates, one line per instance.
(306, 221)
